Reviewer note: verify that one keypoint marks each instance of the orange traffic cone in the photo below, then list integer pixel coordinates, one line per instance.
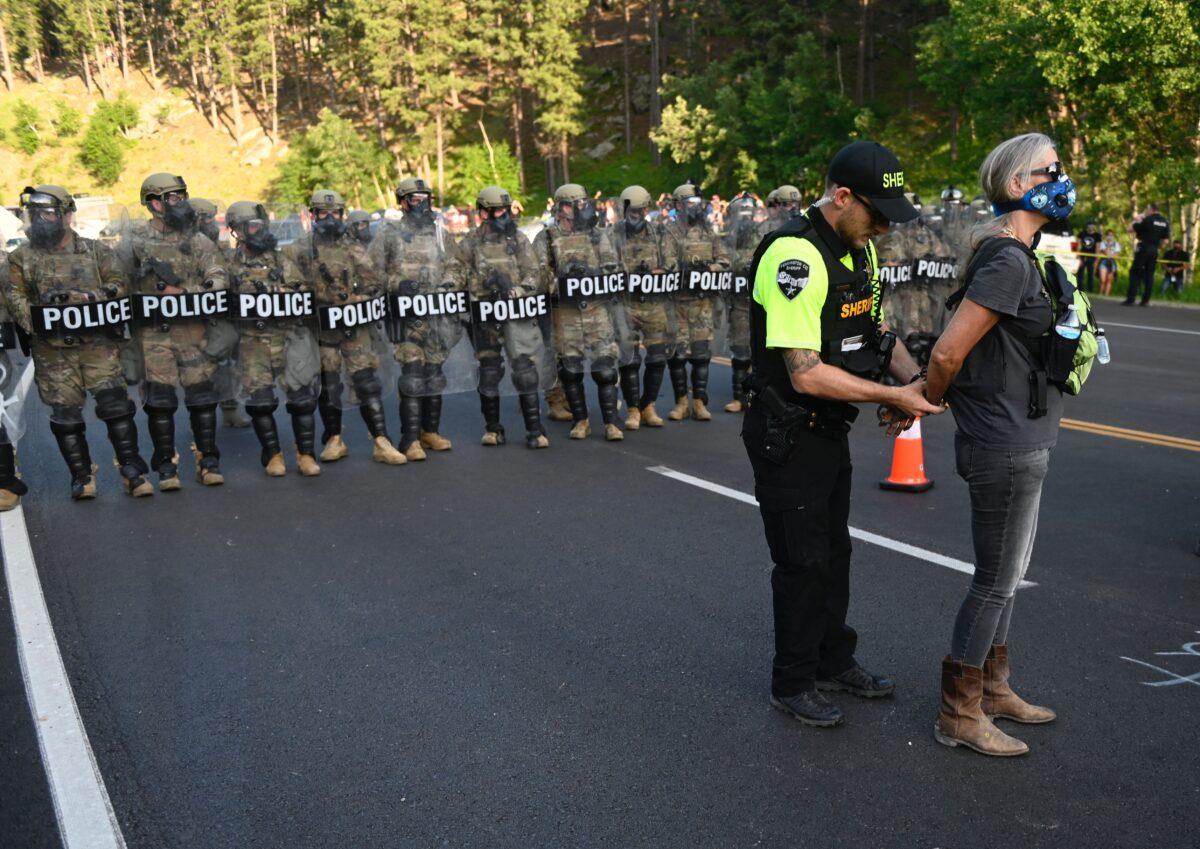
(908, 463)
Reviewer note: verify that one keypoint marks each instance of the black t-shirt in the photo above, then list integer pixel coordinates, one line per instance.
(1176, 257)
(1150, 231)
(1087, 243)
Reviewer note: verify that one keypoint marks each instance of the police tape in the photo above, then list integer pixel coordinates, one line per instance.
(1123, 258)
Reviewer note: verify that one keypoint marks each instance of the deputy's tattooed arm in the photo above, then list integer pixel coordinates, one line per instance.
(810, 376)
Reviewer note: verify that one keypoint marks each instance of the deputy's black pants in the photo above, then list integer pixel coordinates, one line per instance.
(1141, 274)
(805, 508)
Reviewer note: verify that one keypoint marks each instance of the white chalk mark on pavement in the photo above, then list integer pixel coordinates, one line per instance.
(81, 803)
(857, 533)
(1148, 327)
(1172, 679)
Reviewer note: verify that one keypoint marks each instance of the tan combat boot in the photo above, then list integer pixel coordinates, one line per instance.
(999, 700)
(650, 416)
(435, 441)
(961, 720)
(275, 467)
(208, 477)
(541, 442)
(491, 438)
(386, 453)
(735, 406)
(414, 452)
(556, 400)
(581, 430)
(335, 449)
(89, 488)
(612, 433)
(306, 464)
(141, 489)
(700, 411)
(8, 500)
(681, 410)
(173, 483)
(633, 420)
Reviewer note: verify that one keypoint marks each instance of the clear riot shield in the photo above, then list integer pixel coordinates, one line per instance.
(182, 320)
(935, 266)
(741, 240)
(590, 313)
(16, 382)
(428, 308)
(356, 358)
(274, 309)
(650, 326)
(904, 304)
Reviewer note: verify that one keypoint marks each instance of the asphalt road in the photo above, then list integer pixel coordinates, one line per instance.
(505, 648)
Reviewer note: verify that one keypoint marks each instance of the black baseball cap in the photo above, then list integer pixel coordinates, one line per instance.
(872, 171)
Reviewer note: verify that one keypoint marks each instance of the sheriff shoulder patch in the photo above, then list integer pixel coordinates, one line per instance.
(792, 277)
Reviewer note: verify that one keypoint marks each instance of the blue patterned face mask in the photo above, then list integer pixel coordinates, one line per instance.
(1055, 200)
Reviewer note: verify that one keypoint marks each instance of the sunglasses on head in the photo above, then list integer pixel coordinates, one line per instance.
(1055, 171)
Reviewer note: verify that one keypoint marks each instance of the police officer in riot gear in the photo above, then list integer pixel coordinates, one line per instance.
(359, 223)
(56, 271)
(818, 344)
(783, 204)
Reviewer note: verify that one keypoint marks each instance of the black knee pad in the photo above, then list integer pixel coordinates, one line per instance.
(301, 401)
(574, 365)
(605, 377)
(435, 379)
(255, 410)
(366, 383)
(62, 428)
(200, 394)
(491, 373)
(525, 376)
(656, 353)
(604, 364)
(700, 351)
(412, 381)
(264, 397)
(162, 397)
(113, 404)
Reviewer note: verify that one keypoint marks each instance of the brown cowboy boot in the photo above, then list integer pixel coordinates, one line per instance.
(999, 700)
(961, 720)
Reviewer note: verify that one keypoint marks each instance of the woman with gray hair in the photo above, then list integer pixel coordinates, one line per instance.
(983, 364)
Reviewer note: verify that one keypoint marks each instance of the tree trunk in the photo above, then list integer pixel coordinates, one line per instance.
(655, 78)
(149, 33)
(5, 58)
(518, 147)
(36, 45)
(124, 44)
(861, 76)
(565, 153)
(625, 78)
(274, 75)
(953, 133)
(197, 96)
(214, 117)
(87, 70)
(441, 170)
(235, 98)
(837, 55)
(91, 24)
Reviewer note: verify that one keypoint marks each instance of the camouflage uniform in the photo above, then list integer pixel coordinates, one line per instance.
(69, 365)
(584, 332)
(743, 237)
(695, 247)
(274, 351)
(417, 257)
(500, 262)
(11, 486)
(340, 272)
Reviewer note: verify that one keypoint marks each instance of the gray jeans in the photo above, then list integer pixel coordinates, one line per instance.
(1006, 490)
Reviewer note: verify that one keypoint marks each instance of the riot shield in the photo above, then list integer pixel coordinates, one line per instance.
(903, 303)
(16, 382)
(935, 266)
(182, 317)
(741, 240)
(428, 308)
(650, 325)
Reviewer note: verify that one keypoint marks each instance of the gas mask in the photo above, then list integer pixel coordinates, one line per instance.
(179, 216)
(503, 224)
(210, 228)
(46, 234)
(420, 208)
(329, 227)
(635, 221)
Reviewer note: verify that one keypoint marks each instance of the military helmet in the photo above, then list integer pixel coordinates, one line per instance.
(687, 190)
(492, 197)
(243, 211)
(326, 199)
(952, 194)
(48, 195)
(203, 206)
(636, 197)
(569, 193)
(772, 196)
(786, 193)
(411, 186)
(357, 216)
(159, 184)
(914, 199)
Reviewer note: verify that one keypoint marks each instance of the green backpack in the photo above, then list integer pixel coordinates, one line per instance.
(1060, 284)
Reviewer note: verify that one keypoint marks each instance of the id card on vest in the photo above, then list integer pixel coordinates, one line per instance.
(499, 310)
(575, 290)
(187, 306)
(647, 285)
(265, 306)
(80, 318)
(349, 316)
(706, 284)
(427, 305)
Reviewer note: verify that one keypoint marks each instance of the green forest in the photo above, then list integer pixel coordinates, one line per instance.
(730, 93)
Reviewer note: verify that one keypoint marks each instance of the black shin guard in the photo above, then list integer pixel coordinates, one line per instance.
(122, 433)
(630, 390)
(371, 409)
(652, 383)
(741, 370)
(204, 433)
(431, 413)
(678, 369)
(606, 388)
(304, 428)
(410, 420)
(74, 448)
(531, 412)
(161, 424)
(489, 405)
(572, 385)
(263, 419)
(700, 379)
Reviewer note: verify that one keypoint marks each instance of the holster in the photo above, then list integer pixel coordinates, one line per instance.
(786, 421)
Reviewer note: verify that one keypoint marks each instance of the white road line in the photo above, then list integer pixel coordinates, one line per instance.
(81, 804)
(857, 533)
(1147, 327)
